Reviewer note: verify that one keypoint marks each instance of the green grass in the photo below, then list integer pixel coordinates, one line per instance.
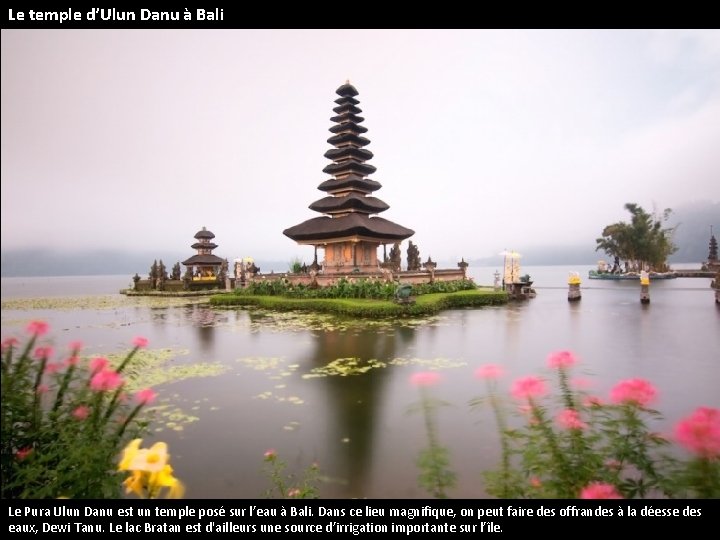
(426, 304)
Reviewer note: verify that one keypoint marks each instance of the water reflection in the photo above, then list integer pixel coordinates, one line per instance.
(354, 402)
(204, 319)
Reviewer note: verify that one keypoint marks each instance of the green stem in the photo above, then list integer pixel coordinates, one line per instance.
(36, 398)
(111, 406)
(23, 360)
(504, 443)
(708, 479)
(127, 359)
(63, 387)
(557, 456)
(636, 439)
(123, 427)
(7, 361)
(565, 388)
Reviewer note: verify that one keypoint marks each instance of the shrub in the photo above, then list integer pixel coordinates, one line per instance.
(579, 445)
(64, 422)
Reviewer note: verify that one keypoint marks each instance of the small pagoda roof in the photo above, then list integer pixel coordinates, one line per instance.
(352, 201)
(360, 154)
(204, 233)
(351, 127)
(344, 138)
(347, 117)
(352, 181)
(349, 167)
(347, 89)
(347, 99)
(204, 245)
(347, 108)
(326, 228)
(203, 260)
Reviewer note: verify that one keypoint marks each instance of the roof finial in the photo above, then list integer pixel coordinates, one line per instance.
(347, 81)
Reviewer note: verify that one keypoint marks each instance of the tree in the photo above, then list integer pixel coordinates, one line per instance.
(176, 271)
(162, 271)
(644, 243)
(153, 271)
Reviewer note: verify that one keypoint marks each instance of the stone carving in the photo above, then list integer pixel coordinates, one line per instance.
(413, 258)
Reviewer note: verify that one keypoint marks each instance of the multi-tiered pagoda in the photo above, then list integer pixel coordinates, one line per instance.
(349, 232)
(204, 265)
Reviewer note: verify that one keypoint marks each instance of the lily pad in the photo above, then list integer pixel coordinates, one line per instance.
(344, 367)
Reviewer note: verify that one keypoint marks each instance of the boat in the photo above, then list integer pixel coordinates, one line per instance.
(595, 274)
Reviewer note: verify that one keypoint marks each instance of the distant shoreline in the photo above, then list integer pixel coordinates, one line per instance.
(127, 277)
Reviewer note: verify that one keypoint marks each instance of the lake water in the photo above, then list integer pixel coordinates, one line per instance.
(259, 380)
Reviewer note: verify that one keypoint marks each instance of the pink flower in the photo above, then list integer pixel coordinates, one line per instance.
(106, 380)
(23, 453)
(598, 490)
(145, 397)
(81, 412)
(528, 388)
(294, 492)
(270, 454)
(580, 383)
(561, 359)
(525, 409)
(38, 328)
(75, 346)
(489, 371)
(98, 364)
(570, 419)
(535, 482)
(42, 389)
(52, 367)
(592, 401)
(72, 361)
(43, 353)
(425, 378)
(140, 342)
(700, 432)
(9, 342)
(637, 391)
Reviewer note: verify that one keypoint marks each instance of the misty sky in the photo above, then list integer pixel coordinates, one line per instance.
(483, 140)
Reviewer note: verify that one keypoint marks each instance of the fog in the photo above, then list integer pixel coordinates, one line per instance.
(483, 140)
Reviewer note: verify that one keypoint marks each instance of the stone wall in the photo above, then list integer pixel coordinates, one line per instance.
(324, 280)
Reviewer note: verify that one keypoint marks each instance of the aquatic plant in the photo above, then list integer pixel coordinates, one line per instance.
(288, 485)
(435, 476)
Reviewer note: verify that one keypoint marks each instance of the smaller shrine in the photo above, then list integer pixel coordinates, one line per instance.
(518, 287)
(204, 266)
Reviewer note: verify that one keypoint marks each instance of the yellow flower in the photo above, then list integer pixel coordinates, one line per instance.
(135, 483)
(151, 459)
(164, 478)
(150, 472)
(129, 454)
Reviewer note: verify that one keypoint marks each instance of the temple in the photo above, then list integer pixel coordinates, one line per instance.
(350, 231)
(204, 265)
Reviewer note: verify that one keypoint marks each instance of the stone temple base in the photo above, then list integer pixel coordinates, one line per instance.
(325, 280)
